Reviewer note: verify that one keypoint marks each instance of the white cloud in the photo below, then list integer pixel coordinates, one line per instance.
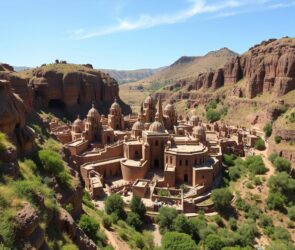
(281, 5)
(144, 21)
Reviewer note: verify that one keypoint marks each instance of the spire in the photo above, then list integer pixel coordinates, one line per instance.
(159, 110)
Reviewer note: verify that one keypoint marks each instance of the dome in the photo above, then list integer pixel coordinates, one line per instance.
(157, 127)
(199, 130)
(194, 118)
(78, 123)
(93, 112)
(115, 106)
(138, 125)
(169, 107)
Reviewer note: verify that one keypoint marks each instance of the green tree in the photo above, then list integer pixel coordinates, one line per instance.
(176, 241)
(89, 226)
(222, 198)
(134, 220)
(282, 183)
(107, 221)
(282, 164)
(213, 242)
(213, 115)
(115, 204)
(165, 218)
(278, 139)
(259, 144)
(272, 157)
(255, 164)
(137, 206)
(275, 201)
(281, 245)
(181, 224)
(291, 213)
(267, 129)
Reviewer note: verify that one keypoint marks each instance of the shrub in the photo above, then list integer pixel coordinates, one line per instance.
(234, 173)
(267, 129)
(259, 144)
(213, 242)
(87, 200)
(4, 142)
(107, 221)
(282, 164)
(265, 221)
(212, 115)
(165, 218)
(247, 233)
(255, 165)
(282, 183)
(279, 244)
(69, 208)
(253, 213)
(229, 159)
(291, 213)
(51, 161)
(69, 247)
(211, 105)
(280, 233)
(221, 197)
(115, 204)
(272, 157)
(278, 139)
(134, 220)
(292, 117)
(181, 224)
(89, 226)
(139, 242)
(275, 201)
(242, 205)
(164, 192)
(233, 223)
(137, 206)
(175, 240)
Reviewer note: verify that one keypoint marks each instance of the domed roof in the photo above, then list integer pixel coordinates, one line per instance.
(199, 130)
(194, 118)
(138, 125)
(78, 122)
(93, 112)
(169, 107)
(115, 105)
(156, 126)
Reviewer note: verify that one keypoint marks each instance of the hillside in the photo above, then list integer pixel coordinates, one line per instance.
(186, 67)
(125, 76)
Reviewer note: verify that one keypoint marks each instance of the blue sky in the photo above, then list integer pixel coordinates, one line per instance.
(131, 34)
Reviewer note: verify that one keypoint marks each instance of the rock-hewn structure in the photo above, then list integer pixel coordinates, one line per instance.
(269, 66)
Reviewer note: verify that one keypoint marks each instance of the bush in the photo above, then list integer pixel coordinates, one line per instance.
(292, 117)
(253, 213)
(265, 221)
(233, 223)
(212, 115)
(229, 160)
(272, 157)
(51, 161)
(69, 247)
(259, 144)
(137, 206)
(291, 213)
(165, 218)
(282, 164)
(221, 197)
(211, 105)
(242, 205)
(282, 245)
(282, 183)
(275, 201)
(234, 173)
(69, 208)
(280, 233)
(267, 129)
(134, 220)
(107, 221)
(213, 242)
(175, 240)
(278, 139)
(255, 165)
(164, 192)
(87, 200)
(181, 224)
(115, 204)
(89, 226)
(247, 233)
(139, 242)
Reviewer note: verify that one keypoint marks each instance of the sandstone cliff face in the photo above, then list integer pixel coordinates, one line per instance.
(74, 89)
(269, 67)
(12, 118)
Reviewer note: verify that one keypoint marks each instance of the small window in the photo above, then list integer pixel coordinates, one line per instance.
(166, 159)
(170, 159)
(186, 162)
(203, 177)
(156, 143)
(180, 162)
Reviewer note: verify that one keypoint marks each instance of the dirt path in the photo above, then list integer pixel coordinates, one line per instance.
(156, 235)
(114, 240)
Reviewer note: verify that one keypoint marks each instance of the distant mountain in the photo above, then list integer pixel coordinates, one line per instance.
(187, 67)
(125, 76)
(20, 68)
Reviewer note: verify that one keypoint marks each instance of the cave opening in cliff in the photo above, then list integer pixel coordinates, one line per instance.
(56, 104)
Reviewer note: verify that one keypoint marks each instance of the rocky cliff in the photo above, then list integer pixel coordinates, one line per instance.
(267, 67)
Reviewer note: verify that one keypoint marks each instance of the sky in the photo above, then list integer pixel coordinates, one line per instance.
(134, 34)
